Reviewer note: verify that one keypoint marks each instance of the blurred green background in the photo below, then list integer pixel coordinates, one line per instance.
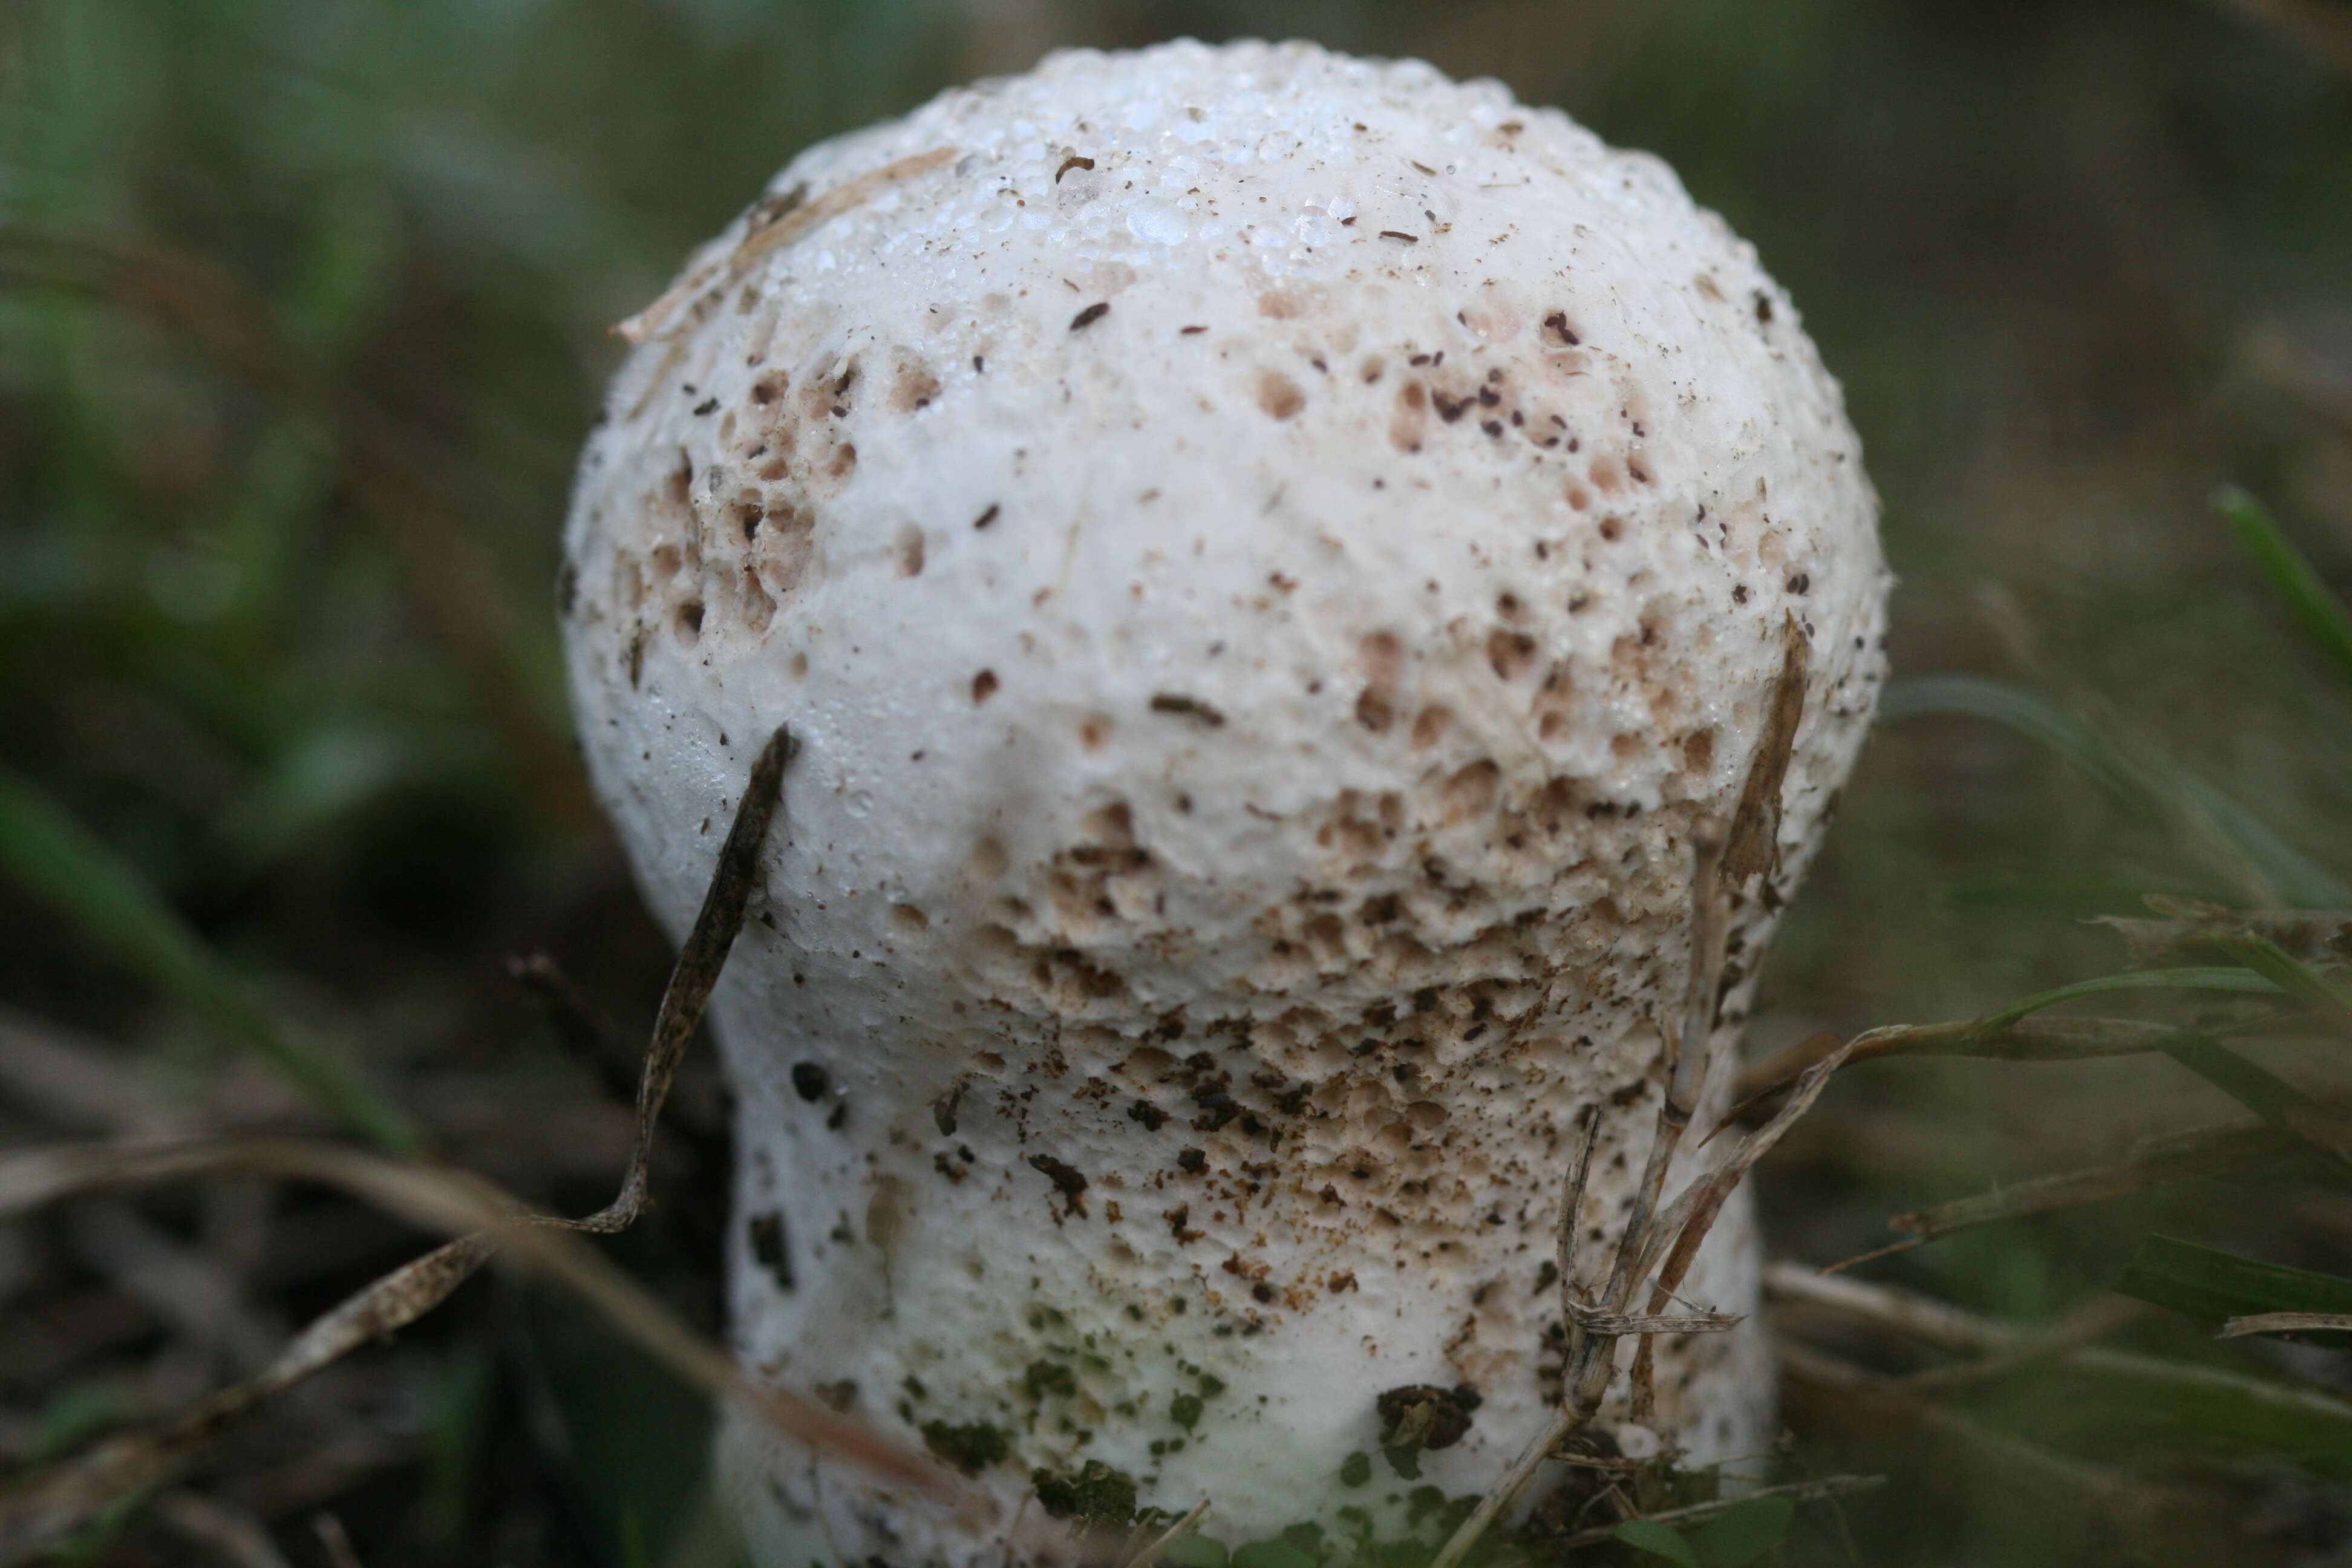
(303, 310)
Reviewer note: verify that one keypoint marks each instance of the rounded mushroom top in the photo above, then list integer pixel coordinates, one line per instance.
(1222, 523)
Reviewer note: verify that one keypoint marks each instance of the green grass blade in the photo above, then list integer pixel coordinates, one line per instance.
(2155, 785)
(2257, 1089)
(2203, 1282)
(2298, 979)
(2119, 1394)
(1657, 1541)
(2291, 572)
(2013, 708)
(1740, 1535)
(2235, 980)
(50, 855)
(2232, 1149)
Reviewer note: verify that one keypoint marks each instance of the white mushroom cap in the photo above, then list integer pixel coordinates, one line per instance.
(1267, 555)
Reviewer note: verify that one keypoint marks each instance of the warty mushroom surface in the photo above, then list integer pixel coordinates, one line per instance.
(1267, 556)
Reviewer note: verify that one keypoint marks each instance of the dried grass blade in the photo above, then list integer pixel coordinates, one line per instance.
(2033, 1040)
(1753, 845)
(37, 1512)
(2094, 1321)
(1889, 1306)
(1693, 1213)
(39, 1508)
(2304, 1423)
(2205, 1152)
(36, 1178)
(2286, 1323)
(1620, 1324)
(770, 226)
(1688, 1221)
(2312, 935)
(1690, 1050)
(1572, 1216)
(716, 926)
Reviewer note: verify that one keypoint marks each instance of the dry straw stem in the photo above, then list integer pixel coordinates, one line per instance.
(1923, 1320)
(38, 1510)
(69, 1081)
(1656, 1246)
(2286, 1323)
(2310, 935)
(1693, 1214)
(1593, 1351)
(770, 223)
(1995, 1349)
(1754, 848)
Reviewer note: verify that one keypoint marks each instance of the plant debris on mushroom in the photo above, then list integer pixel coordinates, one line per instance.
(1270, 559)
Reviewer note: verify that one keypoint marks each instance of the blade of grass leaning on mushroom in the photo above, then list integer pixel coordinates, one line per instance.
(1273, 559)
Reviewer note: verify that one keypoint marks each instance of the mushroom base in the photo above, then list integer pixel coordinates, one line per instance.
(1205, 1320)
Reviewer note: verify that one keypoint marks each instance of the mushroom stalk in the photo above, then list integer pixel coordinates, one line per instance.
(1324, 610)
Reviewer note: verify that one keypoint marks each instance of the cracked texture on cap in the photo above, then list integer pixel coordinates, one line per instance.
(1267, 555)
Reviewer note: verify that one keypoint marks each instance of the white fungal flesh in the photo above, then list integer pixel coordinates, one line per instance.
(1266, 556)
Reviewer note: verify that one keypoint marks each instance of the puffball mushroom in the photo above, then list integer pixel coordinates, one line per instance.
(1268, 557)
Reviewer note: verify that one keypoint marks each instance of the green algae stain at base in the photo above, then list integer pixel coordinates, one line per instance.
(970, 1447)
(1097, 1494)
